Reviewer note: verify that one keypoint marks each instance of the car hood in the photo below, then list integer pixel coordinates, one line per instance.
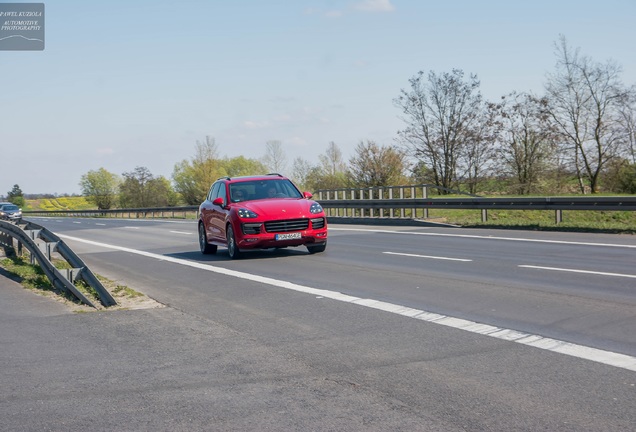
(285, 208)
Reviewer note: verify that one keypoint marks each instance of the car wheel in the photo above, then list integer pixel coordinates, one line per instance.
(317, 248)
(232, 247)
(205, 247)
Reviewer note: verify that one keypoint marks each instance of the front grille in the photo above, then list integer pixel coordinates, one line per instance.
(287, 225)
(318, 223)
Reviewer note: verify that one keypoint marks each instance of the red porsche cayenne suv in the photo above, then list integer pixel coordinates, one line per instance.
(260, 212)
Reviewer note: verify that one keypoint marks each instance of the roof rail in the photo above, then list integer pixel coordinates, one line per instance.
(275, 174)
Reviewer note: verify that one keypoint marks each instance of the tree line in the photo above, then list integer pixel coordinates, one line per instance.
(579, 136)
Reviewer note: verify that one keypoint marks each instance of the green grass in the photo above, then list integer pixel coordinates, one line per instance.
(32, 277)
(573, 220)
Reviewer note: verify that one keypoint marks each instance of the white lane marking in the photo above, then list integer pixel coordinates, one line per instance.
(75, 222)
(129, 227)
(100, 224)
(580, 351)
(189, 222)
(580, 271)
(331, 228)
(427, 256)
(181, 232)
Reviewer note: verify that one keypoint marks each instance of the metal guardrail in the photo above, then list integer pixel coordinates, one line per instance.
(153, 212)
(401, 202)
(413, 200)
(41, 252)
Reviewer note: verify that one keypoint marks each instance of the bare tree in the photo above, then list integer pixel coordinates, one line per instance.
(527, 140)
(331, 161)
(584, 102)
(628, 122)
(301, 169)
(442, 113)
(477, 159)
(274, 158)
(331, 172)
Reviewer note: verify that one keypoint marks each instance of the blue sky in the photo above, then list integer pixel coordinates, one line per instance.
(132, 83)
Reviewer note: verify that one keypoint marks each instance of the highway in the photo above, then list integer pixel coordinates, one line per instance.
(413, 328)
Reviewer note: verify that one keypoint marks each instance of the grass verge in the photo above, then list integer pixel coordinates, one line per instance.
(33, 278)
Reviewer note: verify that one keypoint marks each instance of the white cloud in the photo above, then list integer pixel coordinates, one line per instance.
(255, 125)
(282, 118)
(333, 14)
(375, 6)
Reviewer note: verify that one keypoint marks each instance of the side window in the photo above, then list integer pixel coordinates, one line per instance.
(214, 191)
(222, 192)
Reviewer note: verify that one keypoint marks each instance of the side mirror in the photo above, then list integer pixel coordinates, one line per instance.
(219, 202)
(307, 195)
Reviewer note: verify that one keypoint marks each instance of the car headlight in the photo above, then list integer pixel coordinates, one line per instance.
(246, 213)
(315, 208)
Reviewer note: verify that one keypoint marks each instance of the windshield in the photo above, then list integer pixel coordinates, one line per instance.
(9, 207)
(263, 189)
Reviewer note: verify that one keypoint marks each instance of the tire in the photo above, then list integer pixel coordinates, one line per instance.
(206, 248)
(317, 248)
(232, 248)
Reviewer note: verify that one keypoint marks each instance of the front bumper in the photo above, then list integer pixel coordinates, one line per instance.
(255, 235)
(12, 216)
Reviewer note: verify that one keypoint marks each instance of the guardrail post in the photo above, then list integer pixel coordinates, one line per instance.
(484, 215)
(425, 196)
(558, 216)
(362, 210)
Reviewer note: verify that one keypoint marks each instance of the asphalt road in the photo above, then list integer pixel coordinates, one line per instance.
(386, 330)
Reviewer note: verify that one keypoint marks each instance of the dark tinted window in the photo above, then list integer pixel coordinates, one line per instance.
(262, 189)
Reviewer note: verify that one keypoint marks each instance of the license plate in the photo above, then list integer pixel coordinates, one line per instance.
(289, 236)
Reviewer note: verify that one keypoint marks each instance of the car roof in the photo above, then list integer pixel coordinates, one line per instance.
(270, 176)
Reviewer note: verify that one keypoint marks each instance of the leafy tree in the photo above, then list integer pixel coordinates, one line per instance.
(619, 176)
(586, 102)
(16, 196)
(193, 178)
(140, 189)
(442, 114)
(373, 165)
(100, 188)
(241, 166)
